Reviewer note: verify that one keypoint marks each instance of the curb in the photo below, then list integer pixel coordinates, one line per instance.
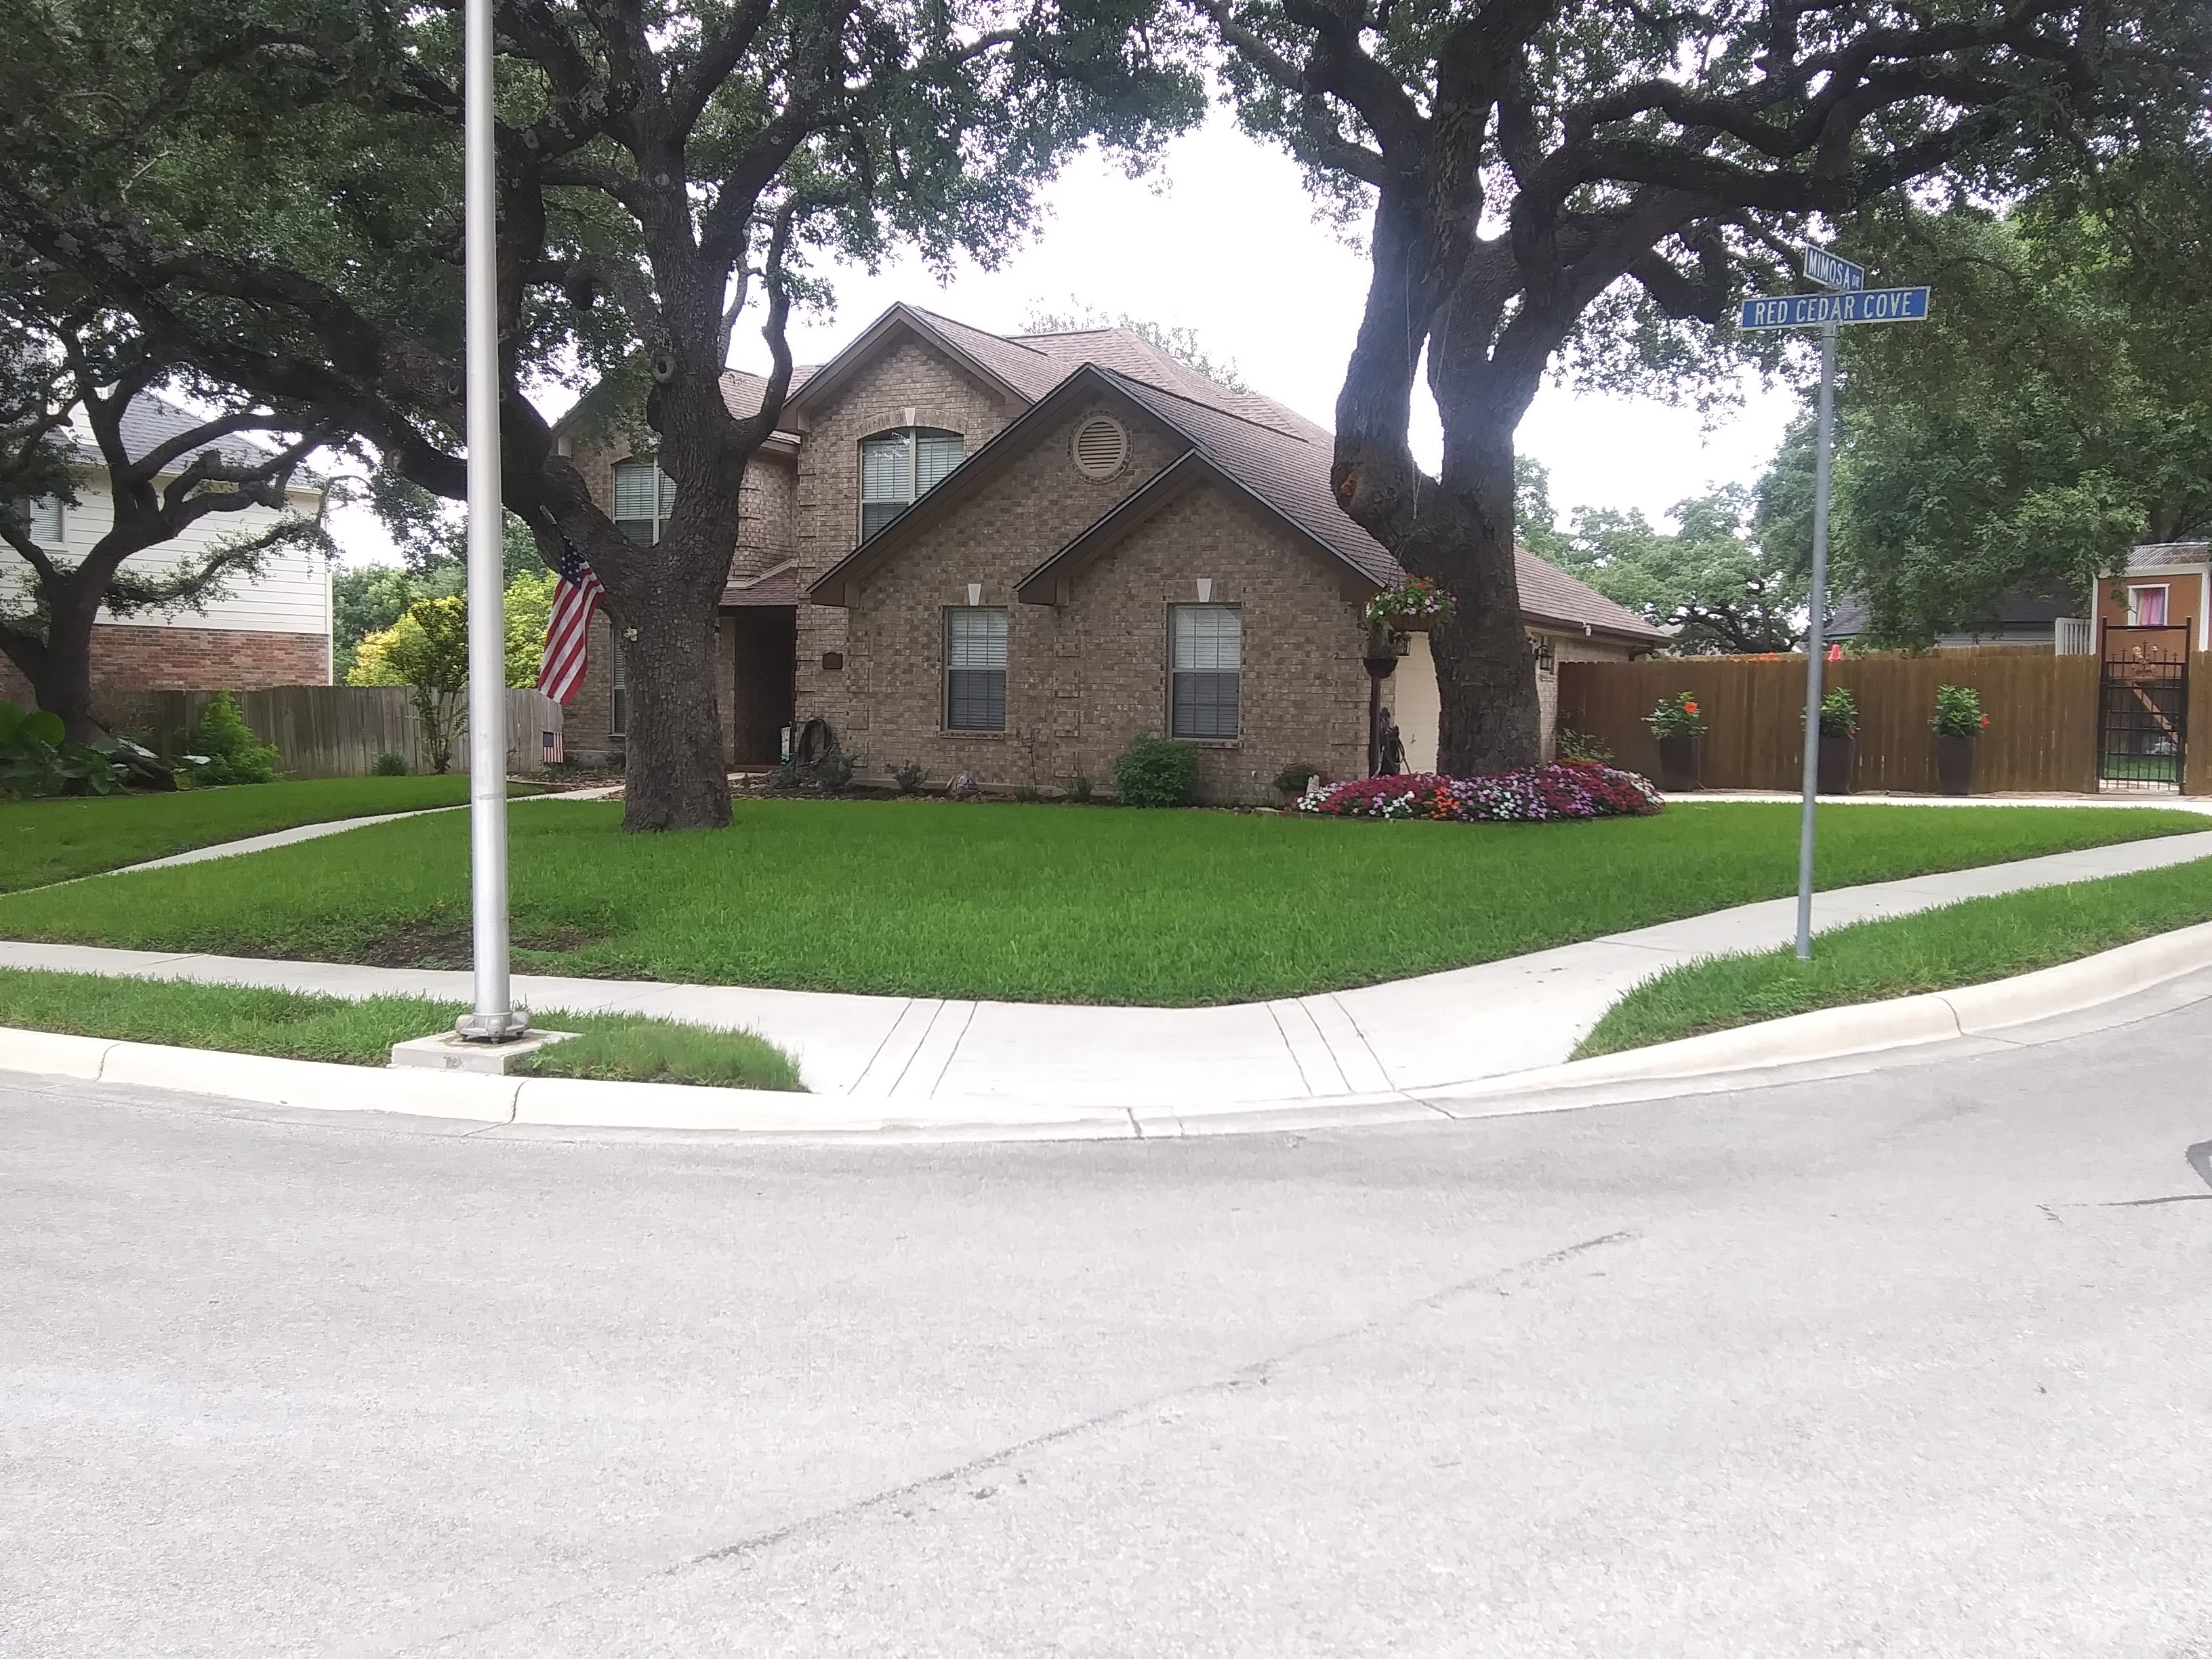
(1693, 1065)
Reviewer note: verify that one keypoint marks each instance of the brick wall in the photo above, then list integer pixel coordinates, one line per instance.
(128, 661)
(828, 504)
(768, 506)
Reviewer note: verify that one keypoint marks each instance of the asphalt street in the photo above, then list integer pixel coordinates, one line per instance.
(1912, 1364)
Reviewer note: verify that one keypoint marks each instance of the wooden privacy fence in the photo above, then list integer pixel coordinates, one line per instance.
(339, 730)
(2042, 735)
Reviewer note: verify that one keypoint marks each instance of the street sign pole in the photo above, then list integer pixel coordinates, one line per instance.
(493, 1019)
(1848, 299)
(1815, 643)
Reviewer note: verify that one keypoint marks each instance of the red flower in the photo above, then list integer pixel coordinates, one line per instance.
(1689, 707)
(1985, 720)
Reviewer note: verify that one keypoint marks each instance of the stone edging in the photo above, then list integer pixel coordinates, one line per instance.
(1694, 1065)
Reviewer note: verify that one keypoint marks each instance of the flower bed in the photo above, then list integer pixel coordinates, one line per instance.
(1563, 789)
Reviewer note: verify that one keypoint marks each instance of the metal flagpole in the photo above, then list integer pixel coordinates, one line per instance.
(494, 1020)
(1815, 643)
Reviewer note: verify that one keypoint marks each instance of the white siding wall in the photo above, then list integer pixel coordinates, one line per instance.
(292, 595)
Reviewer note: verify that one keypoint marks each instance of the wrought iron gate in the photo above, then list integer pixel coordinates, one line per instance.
(2142, 710)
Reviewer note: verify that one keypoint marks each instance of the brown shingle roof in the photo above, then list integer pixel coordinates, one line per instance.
(1279, 455)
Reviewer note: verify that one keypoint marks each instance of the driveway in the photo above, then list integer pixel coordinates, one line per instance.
(1905, 1363)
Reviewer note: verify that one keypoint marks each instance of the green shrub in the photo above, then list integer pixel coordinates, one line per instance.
(834, 771)
(1573, 745)
(1839, 713)
(223, 748)
(1079, 789)
(1156, 771)
(1028, 792)
(389, 765)
(1293, 779)
(908, 777)
(1958, 712)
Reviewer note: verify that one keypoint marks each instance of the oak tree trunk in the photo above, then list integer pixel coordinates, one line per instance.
(673, 772)
(60, 671)
(1490, 721)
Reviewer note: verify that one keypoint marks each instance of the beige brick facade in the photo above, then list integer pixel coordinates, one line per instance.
(941, 394)
(1090, 669)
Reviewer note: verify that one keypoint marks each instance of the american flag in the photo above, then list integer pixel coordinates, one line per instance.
(567, 636)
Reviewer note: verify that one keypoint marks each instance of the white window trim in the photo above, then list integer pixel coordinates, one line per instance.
(654, 463)
(2136, 590)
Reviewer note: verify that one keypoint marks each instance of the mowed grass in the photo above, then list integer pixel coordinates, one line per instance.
(1965, 943)
(246, 1019)
(56, 839)
(1027, 903)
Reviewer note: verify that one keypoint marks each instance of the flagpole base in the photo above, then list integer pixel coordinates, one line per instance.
(492, 1028)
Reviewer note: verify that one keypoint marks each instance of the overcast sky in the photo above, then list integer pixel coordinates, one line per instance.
(1223, 242)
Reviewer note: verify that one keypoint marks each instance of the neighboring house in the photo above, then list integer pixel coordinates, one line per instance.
(270, 629)
(1008, 557)
(2164, 585)
(2048, 614)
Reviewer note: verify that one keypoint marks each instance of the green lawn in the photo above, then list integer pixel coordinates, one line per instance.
(53, 840)
(1965, 943)
(244, 1019)
(1070, 903)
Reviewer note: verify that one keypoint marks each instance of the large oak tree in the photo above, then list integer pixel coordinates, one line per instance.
(270, 186)
(1590, 183)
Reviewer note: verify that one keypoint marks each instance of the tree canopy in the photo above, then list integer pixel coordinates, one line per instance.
(1589, 186)
(272, 188)
(2054, 410)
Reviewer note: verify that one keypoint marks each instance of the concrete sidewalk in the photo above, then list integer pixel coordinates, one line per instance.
(1404, 1037)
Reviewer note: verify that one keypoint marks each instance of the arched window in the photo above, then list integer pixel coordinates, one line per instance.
(898, 468)
(644, 497)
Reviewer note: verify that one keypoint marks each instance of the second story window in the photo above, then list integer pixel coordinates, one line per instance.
(644, 497)
(42, 517)
(897, 469)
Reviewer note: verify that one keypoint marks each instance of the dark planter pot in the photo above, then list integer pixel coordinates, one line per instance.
(1680, 762)
(1954, 764)
(1840, 759)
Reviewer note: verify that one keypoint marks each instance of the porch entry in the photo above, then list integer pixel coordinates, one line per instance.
(2142, 707)
(766, 641)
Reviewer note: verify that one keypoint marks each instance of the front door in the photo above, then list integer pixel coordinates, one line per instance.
(767, 646)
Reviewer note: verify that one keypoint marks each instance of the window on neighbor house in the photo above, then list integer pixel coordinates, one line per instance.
(618, 673)
(897, 469)
(2147, 606)
(42, 514)
(975, 668)
(1207, 664)
(644, 497)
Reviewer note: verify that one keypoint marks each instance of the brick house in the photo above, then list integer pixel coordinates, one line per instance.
(270, 630)
(1007, 556)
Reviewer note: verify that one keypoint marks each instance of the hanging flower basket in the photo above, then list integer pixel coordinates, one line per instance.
(1412, 606)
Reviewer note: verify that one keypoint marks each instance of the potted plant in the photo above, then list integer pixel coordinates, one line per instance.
(1839, 740)
(1681, 730)
(1958, 721)
(1411, 606)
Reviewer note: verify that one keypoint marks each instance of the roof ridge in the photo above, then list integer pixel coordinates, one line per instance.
(1003, 339)
(1217, 409)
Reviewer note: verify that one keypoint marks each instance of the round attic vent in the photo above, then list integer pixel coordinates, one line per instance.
(1101, 446)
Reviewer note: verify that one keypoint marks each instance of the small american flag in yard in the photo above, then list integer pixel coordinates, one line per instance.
(568, 637)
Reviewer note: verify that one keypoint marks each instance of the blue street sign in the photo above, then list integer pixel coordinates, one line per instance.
(1830, 271)
(1873, 305)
